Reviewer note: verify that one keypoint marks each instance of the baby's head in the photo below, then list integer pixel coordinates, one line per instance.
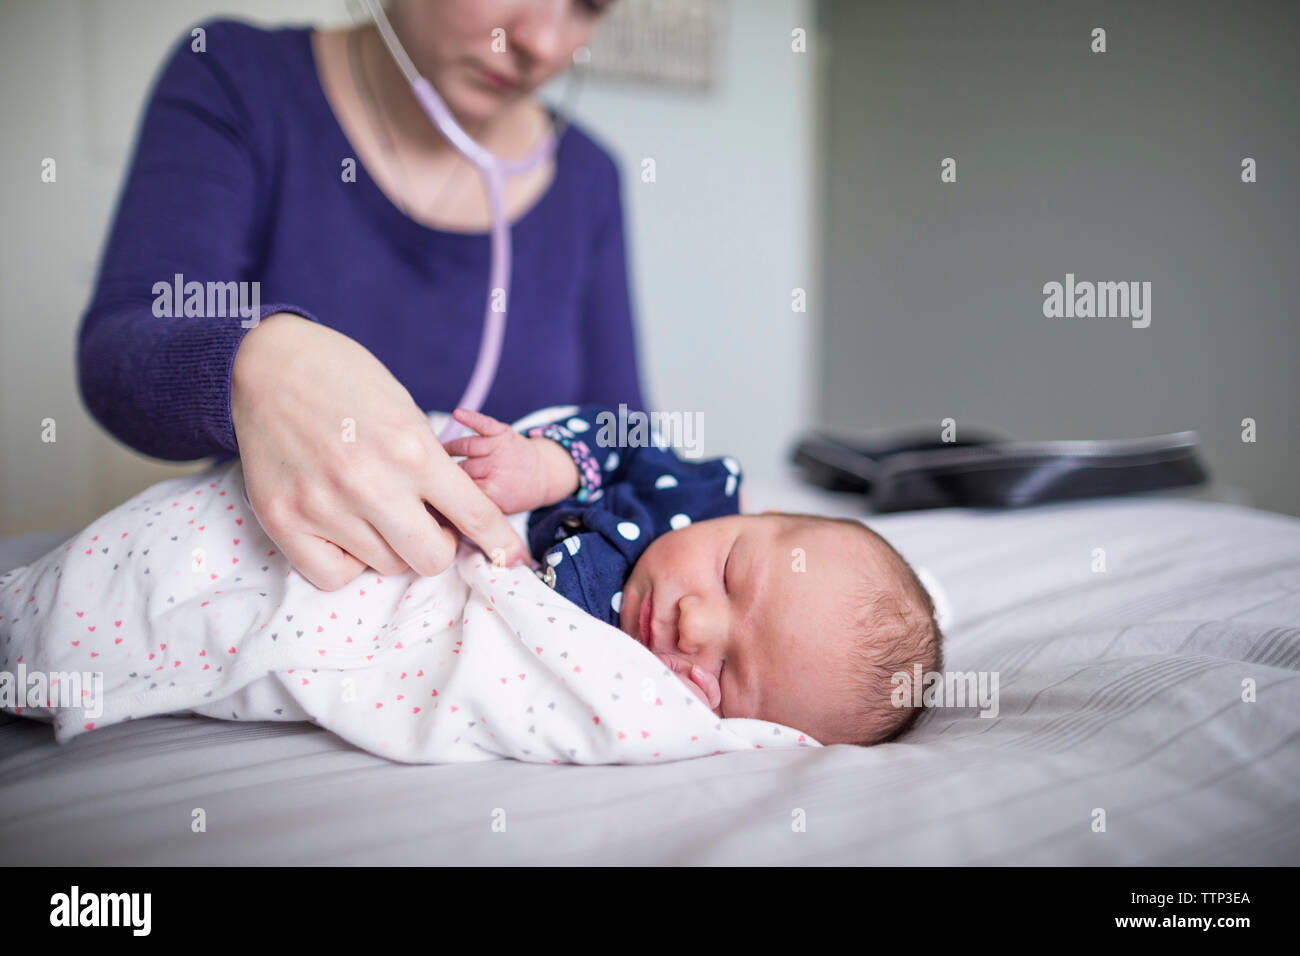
(797, 619)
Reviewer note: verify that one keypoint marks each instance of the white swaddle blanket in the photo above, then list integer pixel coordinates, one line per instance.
(182, 603)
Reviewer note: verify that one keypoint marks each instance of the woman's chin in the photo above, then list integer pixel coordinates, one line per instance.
(474, 104)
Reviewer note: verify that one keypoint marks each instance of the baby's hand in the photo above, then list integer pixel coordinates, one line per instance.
(504, 464)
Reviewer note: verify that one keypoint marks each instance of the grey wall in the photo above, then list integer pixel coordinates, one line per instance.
(1123, 165)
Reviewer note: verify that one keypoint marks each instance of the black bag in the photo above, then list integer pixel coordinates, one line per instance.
(911, 470)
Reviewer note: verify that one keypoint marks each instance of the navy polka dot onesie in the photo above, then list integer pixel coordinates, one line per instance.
(629, 495)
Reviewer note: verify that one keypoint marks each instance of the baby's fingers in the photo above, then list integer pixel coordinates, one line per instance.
(483, 424)
(472, 446)
(476, 467)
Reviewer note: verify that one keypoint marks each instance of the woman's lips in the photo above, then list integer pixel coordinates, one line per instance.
(500, 81)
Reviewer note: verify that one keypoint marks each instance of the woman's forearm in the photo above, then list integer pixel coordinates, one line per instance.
(154, 359)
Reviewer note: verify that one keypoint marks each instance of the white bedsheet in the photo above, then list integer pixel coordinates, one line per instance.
(1121, 691)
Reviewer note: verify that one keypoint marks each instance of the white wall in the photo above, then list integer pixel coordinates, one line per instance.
(725, 232)
(715, 245)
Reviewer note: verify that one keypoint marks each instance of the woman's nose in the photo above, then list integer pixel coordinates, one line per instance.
(539, 29)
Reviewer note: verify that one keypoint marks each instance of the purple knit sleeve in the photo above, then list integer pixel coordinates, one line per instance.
(610, 366)
(189, 206)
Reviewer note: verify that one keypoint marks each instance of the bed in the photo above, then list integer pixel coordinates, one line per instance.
(1146, 647)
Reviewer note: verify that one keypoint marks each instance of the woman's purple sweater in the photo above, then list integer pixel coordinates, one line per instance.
(238, 176)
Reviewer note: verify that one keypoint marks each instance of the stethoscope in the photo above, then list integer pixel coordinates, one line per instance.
(494, 170)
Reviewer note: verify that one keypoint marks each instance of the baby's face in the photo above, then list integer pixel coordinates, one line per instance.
(723, 604)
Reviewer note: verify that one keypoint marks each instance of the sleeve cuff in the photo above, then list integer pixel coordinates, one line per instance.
(222, 427)
(588, 468)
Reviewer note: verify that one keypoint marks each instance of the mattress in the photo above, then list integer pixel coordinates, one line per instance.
(1146, 650)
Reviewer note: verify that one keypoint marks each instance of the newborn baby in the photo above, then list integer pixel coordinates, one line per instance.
(792, 618)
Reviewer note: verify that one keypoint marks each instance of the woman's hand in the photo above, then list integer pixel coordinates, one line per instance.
(339, 462)
(516, 472)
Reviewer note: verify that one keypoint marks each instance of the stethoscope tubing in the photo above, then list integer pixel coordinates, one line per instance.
(495, 171)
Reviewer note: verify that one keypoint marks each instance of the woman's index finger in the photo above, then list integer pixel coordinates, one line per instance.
(474, 514)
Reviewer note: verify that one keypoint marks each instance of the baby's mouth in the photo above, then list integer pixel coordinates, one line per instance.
(696, 680)
(700, 683)
(644, 631)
